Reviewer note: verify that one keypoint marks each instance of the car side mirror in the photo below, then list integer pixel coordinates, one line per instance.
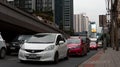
(61, 42)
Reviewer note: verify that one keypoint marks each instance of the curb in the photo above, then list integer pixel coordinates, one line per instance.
(91, 61)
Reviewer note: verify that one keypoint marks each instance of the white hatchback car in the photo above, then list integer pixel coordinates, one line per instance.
(44, 47)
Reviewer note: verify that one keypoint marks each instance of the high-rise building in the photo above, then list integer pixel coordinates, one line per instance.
(34, 5)
(11, 2)
(86, 23)
(39, 5)
(3, 0)
(64, 14)
(44, 5)
(68, 15)
(77, 23)
(58, 13)
(81, 23)
(26, 5)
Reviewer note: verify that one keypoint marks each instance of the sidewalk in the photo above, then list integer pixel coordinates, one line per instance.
(110, 58)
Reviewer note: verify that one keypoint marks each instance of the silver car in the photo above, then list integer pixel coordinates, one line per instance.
(2, 48)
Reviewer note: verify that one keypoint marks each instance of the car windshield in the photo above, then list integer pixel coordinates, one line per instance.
(24, 37)
(42, 38)
(21, 37)
(73, 41)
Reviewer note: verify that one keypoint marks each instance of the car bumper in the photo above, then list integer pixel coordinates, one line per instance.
(75, 52)
(93, 47)
(41, 56)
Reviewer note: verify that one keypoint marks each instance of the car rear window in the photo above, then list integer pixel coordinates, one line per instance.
(73, 40)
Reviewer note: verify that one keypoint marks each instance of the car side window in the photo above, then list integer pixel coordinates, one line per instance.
(59, 38)
(57, 41)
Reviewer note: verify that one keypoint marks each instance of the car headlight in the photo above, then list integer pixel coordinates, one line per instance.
(51, 47)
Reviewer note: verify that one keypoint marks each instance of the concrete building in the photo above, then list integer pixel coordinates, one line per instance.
(3, 0)
(87, 21)
(33, 5)
(77, 23)
(26, 5)
(81, 23)
(44, 5)
(47, 5)
(11, 2)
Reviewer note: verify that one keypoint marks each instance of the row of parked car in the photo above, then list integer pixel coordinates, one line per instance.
(11, 47)
(46, 47)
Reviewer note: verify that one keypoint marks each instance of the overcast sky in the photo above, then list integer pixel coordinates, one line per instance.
(92, 8)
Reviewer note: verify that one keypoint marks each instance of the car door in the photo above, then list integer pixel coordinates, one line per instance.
(64, 47)
(60, 46)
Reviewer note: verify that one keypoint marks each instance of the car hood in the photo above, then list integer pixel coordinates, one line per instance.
(72, 45)
(36, 46)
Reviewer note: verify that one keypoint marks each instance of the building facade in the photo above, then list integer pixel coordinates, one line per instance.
(77, 23)
(64, 14)
(81, 23)
(34, 5)
(26, 5)
(68, 15)
(58, 13)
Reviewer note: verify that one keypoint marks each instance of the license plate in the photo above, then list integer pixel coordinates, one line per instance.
(32, 55)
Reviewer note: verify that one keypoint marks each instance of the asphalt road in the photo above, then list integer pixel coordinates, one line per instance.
(12, 61)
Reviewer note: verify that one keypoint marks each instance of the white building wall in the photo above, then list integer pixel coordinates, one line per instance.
(81, 23)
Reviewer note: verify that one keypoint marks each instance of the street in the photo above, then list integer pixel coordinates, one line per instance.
(12, 61)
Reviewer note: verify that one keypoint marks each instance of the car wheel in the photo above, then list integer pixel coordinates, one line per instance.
(67, 56)
(56, 58)
(2, 53)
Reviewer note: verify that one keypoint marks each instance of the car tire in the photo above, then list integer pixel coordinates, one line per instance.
(67, 56)
(56, 58)
(2, 53)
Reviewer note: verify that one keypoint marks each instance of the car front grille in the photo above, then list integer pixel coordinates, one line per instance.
(33, 51)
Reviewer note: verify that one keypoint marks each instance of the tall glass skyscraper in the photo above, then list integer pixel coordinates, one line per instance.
(64, 14)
